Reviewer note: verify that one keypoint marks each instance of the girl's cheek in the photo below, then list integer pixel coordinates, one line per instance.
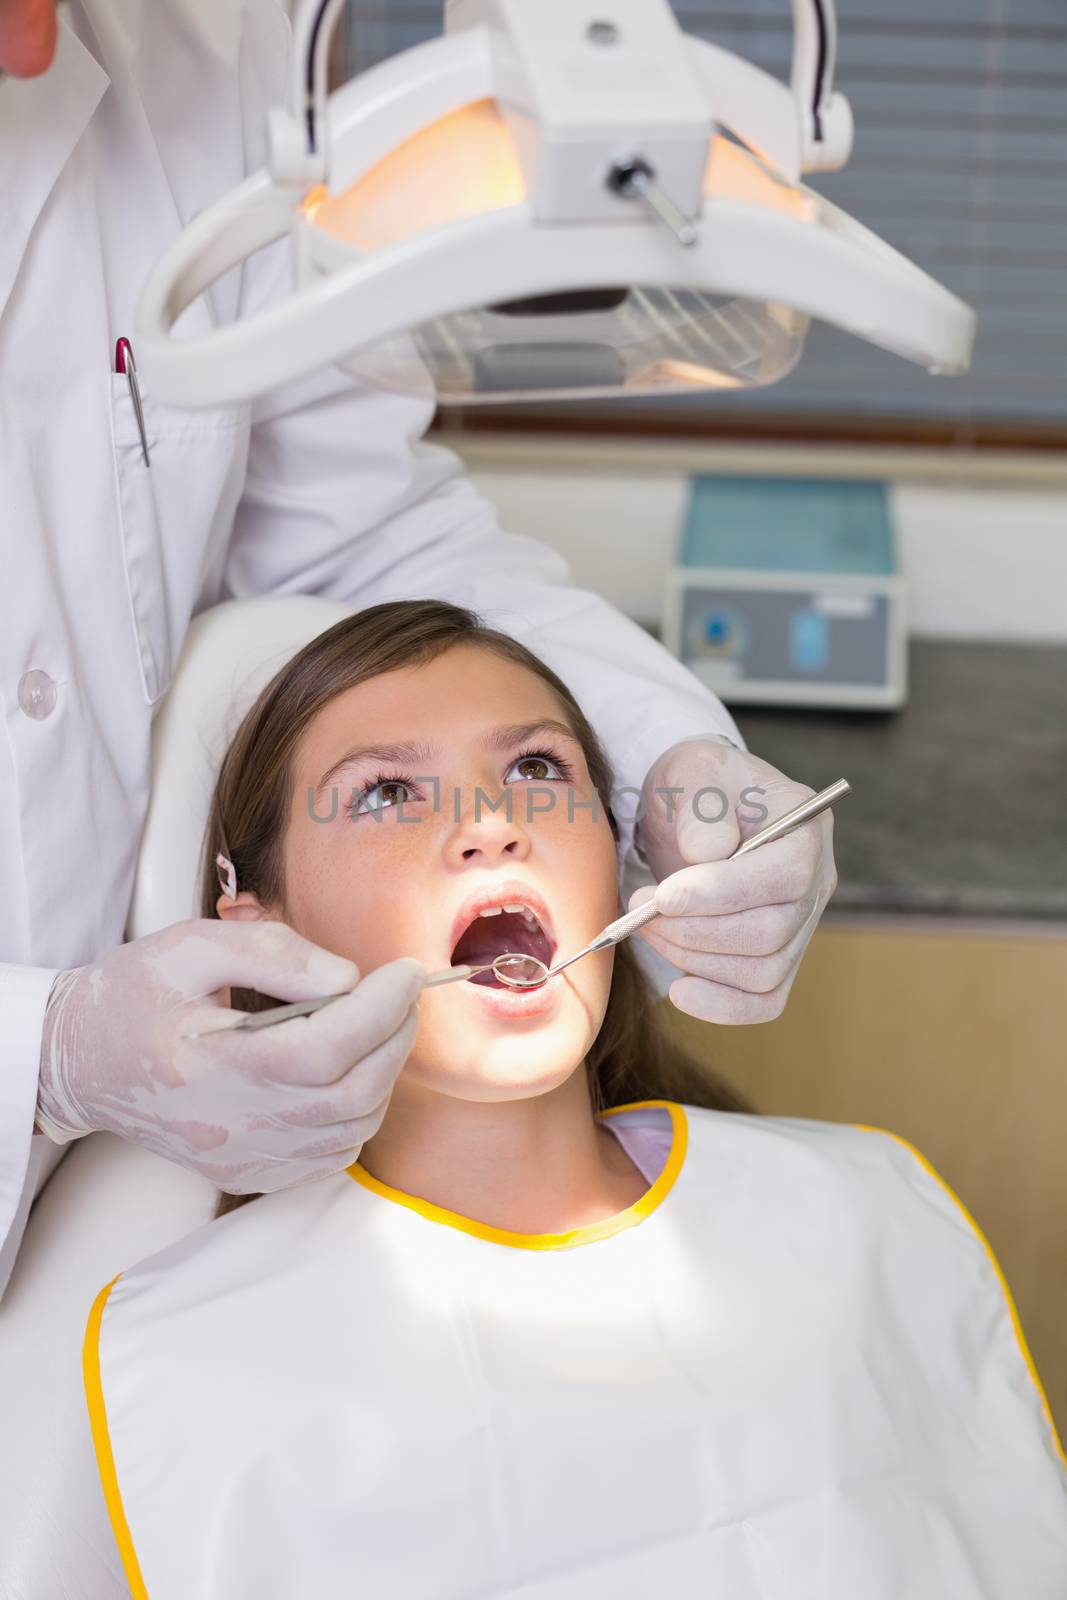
(587, 844)
(371, 840)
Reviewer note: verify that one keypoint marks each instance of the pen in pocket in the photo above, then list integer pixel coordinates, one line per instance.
(124, 363)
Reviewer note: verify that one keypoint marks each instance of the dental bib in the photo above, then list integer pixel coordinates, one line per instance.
(790, 1371)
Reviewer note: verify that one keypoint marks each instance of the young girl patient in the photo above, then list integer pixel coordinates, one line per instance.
(526, 1346)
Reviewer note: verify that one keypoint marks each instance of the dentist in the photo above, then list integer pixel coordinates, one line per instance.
(120, 121)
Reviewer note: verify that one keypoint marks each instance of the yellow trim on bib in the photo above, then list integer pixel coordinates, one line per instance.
(995, 1264)
(105, 1459)
(588, 1234)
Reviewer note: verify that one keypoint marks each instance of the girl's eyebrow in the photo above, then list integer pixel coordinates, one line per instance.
(501, 738)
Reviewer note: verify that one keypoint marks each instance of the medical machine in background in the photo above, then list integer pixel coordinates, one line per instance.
(788, 591)
(557, 198)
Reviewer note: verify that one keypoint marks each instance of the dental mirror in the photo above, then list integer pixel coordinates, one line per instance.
(519, 972)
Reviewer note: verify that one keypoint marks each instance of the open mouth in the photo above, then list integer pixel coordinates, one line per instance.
(510, 929)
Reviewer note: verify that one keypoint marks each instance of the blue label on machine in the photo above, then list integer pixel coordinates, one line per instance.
(809, 641)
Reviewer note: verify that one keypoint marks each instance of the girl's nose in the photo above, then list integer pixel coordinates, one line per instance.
(490, 829)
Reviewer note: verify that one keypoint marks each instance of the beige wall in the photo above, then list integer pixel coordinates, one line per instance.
(958, 1042)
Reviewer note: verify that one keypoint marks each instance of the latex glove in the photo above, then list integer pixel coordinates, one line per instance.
(252, 1111)
(737, 929)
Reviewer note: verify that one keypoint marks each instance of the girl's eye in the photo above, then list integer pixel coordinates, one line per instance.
(538, 766)
(385, 794)
(382, 794)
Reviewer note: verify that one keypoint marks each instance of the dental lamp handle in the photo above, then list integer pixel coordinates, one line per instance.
(623, 926)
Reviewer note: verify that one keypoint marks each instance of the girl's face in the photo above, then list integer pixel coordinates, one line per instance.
(438, 792)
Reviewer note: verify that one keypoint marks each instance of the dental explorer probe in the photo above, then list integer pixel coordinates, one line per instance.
(614, 933)
(629, 923)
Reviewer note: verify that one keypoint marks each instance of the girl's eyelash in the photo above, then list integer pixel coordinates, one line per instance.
(365, 789)
(368, 788)
(566, 770)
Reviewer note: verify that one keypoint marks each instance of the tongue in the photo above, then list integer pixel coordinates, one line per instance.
(509, 933)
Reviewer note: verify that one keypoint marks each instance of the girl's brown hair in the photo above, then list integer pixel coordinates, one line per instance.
(632, 1057)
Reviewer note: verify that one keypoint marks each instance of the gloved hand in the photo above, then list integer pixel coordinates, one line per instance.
(737, 929)
(251, 1111)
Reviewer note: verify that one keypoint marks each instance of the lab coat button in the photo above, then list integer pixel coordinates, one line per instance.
(37, 695)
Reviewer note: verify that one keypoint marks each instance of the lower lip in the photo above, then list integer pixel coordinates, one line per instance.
(516, 1004)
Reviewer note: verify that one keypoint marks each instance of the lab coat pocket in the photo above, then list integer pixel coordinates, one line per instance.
(175, 514)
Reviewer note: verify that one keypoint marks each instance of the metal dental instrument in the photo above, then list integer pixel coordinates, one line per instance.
(623, 926)
(502, 965)
(528, 972)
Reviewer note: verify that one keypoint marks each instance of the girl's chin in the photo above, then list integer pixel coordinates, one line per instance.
(502, 1064)
(500, 1082)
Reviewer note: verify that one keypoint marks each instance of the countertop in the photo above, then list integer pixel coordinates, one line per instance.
(959, 802)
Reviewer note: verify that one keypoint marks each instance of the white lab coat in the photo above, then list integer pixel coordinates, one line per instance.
(151, 110)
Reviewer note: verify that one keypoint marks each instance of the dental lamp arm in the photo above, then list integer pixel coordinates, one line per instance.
(299, 132)
(825, 117)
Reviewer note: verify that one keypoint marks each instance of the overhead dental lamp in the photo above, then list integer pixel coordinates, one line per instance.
(557, 198)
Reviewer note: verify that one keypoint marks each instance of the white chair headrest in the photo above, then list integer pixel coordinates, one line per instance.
(230, 653)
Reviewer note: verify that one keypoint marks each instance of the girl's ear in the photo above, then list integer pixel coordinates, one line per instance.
(245, 908)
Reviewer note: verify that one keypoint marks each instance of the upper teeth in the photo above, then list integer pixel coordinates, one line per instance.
(494, 911)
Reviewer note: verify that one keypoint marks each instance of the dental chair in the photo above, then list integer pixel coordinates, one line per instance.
(231, 652)
(110, 1203)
